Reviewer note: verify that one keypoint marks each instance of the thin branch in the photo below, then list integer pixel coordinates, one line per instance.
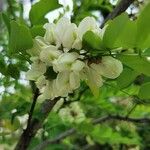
(120, 8)
(121, 118)
(36, 94)
(55, 140)
(94, 122)
(132, 109)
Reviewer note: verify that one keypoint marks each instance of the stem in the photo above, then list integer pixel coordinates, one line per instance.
(36, 94)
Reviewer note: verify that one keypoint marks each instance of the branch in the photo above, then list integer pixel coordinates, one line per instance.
(121, 118)
(36, 94)
(55, 140)
(35, 124)
(94, 122)
(120, 8)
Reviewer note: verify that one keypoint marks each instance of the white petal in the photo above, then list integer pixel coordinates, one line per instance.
(65, 115)
(74, 80)
(38, 44)
(49, 91)
(64, 62)
(37, 69)
(49, 34)
(88, 23)
(110, 67)
(77, 44)
(94, 80)
(62, 84)
(77, 65)
(49, 53)
(61, 27)
(41, 82)
(70, 36)
(68, 57)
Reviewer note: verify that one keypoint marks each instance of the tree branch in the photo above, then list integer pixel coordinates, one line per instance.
(36, 94)
(35, 124)
(55, 140)
(120, 8)
(94, 122)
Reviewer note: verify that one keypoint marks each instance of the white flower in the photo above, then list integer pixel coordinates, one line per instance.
(61, 27)
(62, 84)
(69, 36)
(72, 113)
(49, 53)
(93, 79)
(109, 67)
(49, 91)
(65, 115)
(88, 24)
(38, 44)
(77, 43)
(74, 80)
(77, 66)
(64, 62)
(78, 113)
(58, 105)
(41, 82)
(50, 36)
(38, 68)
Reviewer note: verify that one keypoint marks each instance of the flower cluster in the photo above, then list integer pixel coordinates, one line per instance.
(59, 64)
(72, 113)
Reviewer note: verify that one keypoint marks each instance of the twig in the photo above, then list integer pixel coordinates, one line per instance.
(55, 140)
(131, 110)
(120, 8)
(36, 94)
(94, 122)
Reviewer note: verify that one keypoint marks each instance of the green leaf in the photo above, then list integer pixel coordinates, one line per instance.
(40, 9)
(126, 77)
(92, 42)
(143, 28)
(20, 38)
(102, 134)
(137, 63)
(121, 32)
(6, 21)
(37, 30)
(146, 52)
(144, 91)
(13, 71)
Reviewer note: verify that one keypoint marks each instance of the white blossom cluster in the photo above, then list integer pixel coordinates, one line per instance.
(58, 62)
(72, 113)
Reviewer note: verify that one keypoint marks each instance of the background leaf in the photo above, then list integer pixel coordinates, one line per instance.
(137, 63)
(40, 9)
(121, 32)
(126, 77)
(144, 92)
(20, 38)
(143, 28)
